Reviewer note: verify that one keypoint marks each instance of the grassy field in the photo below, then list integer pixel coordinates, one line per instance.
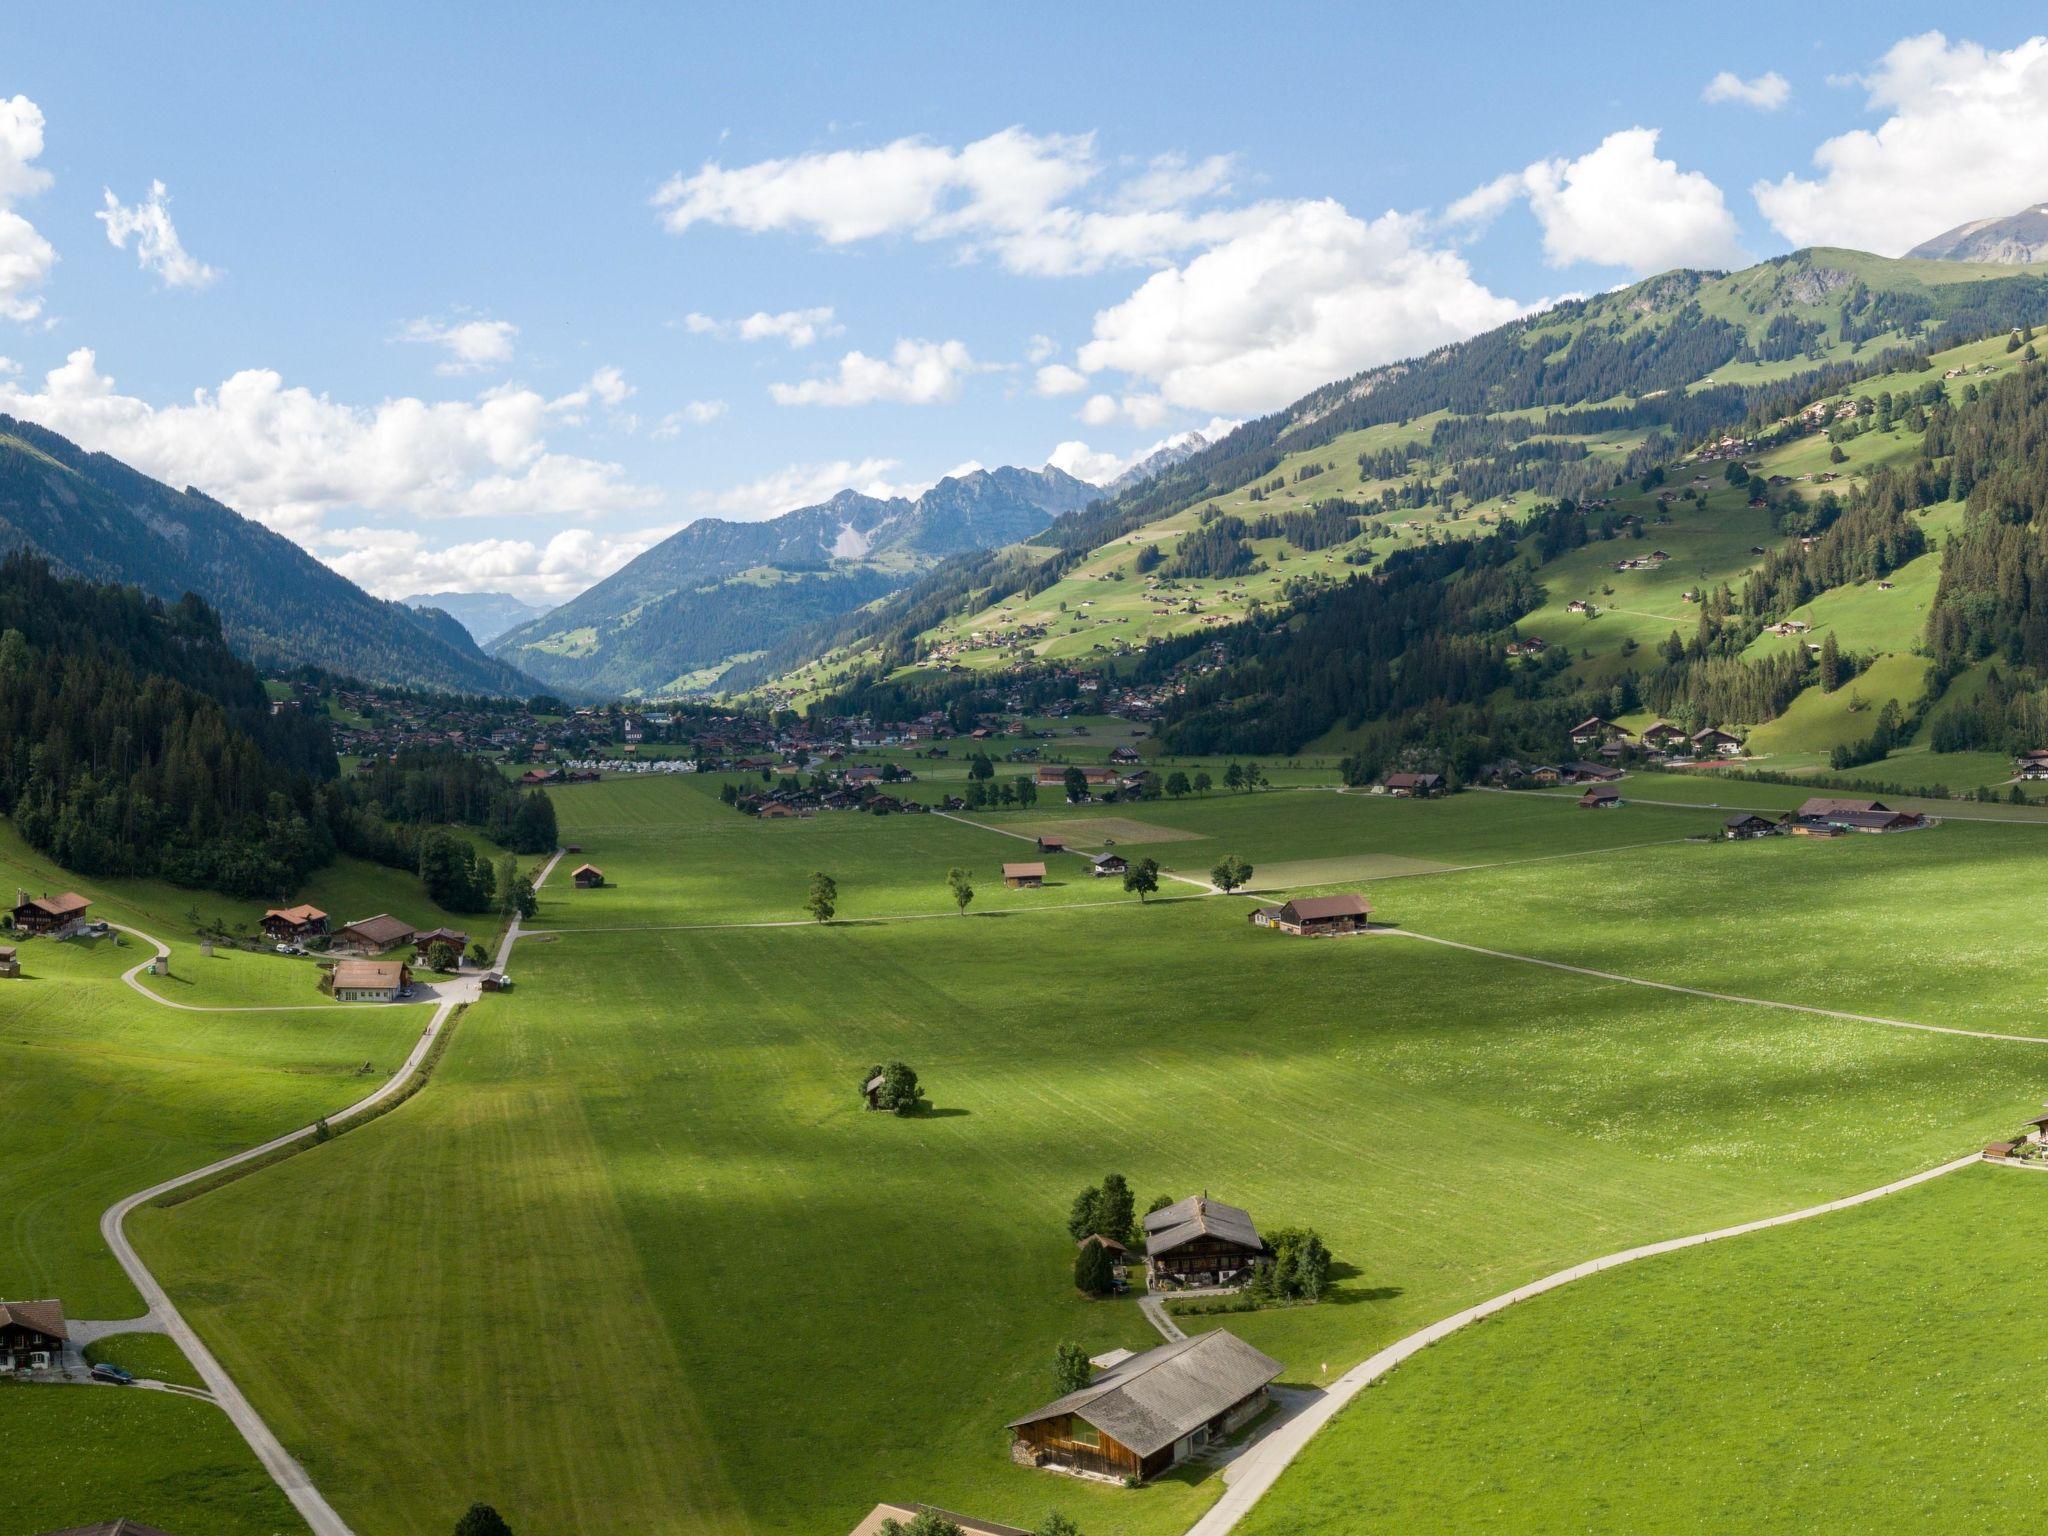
(1864, 1361)
(86, 1454)
(641, 1240)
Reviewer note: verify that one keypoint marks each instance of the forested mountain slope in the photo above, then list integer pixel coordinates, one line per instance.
(93, 516)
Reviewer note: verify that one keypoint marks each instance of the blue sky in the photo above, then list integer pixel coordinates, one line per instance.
(428, 304)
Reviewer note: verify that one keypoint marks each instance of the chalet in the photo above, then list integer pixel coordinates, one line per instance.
(372, 935)
(586, 877)
(370, 981)
(1052, 845)
(1825, 808)
(49, 914)
(1546, 773)
(1199, 1241)
(294, 924)
(1419, 786)
(1587, 732)
(1136, 782)
(1315, 916)
(903, 1514)
(1108, 864)
(1580, 773)
(1748, 825)
(1016, 876)
(1054, 776)
(1578, 605)
(1602, 797)
(1125, 755)
(32, 1335)
(1713, 743)
(10, 962)
(2032, 765)
(1146, 1414)
(778, 810)
(1663, 736)
(454, 938)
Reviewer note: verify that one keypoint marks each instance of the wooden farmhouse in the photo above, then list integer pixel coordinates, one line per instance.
(372, 935)
(1748, 825)
(1591, 732)
(454, 938)
(1419, 786)
(1202, 1242)
(294, 925)
(1017, 876)
(32, 1335)
(587, 877)
(10, 962)
(1663, 736)
(1714, 743)
(49, 914)
(1601, 797)
(1108, 864)
(1824, 816)
(1052, 845)
(2031, 765)
(370, 981)
(1144, 1415)
(1315, 916)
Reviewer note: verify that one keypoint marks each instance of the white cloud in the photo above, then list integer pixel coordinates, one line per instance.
(471, 345)
(804, 485)
(1009, 194)
(158, 248)
(1041, 349)
(797, 327)
(1096, 466)
(1620, 206)
(1059, 379)
(696, 413)
(287, 456)
(914, 373)
(609, 385)
(25, 256)
(1312, 294)
(1767, 92)
(1966, 138)
(397, 562)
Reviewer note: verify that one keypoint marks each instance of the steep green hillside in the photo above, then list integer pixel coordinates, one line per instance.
(1566, 403)
(93, 516)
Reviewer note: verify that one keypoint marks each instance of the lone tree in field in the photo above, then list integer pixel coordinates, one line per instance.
(1094, 1273)
(824, 897)
(1142, 877)
(1070, 1369)
(892, 1087)
(1076, 783)
(482, 1520)
(962, 887)
(1232, 874)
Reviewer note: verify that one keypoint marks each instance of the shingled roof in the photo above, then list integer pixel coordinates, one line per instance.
(382, 931)
(1314, 909)
(1198, 1216)
(1149, 1401)
(44, 1317)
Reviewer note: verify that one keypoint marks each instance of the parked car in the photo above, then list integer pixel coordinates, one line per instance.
(113, 1375)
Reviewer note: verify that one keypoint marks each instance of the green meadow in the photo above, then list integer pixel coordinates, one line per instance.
(1867, 1369)
(640, 1240)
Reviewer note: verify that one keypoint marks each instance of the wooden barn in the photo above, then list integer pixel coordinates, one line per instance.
(1199, 1241)
(587, 877)
(1142, 1416)
(1314, 916)
(32, 1335)
(294, 925)
(1017, 876)
(1416, 786)
(372, 935)
(1601, 797)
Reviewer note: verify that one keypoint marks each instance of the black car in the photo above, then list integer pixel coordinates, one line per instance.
(112, 1374)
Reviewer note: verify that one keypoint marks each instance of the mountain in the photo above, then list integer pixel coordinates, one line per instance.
(1398, 469)
(2018, 239)
(677, 616)
(92, 516)
(485, 615)
(1175, 450)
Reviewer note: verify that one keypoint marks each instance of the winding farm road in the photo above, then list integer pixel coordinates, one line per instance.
(319, 1515)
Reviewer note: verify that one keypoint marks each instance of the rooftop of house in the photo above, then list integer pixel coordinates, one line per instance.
(368, 975)
(299, 914)
(1149, 1401)
(383, 930)
(44, 1317)
(1025, 871)
(1199, 1216)
(1321, 908)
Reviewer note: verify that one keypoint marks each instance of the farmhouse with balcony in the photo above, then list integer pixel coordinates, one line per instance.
(1108, 864)
(1418, 786)
(1145, 1415)
(1199, 1241)
(294, 924)
(1316, 916)
(48, 914)
(32, 1335)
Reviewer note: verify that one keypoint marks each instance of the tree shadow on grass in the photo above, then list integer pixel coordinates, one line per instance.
(949, 1112)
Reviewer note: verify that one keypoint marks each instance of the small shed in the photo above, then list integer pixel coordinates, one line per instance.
(1052, 844)
(1602, 797)
(10, 962)
(587, 877)
(1017, 876)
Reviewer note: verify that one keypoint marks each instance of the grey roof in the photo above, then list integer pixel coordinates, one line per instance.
(44, 1317)
(1149, 1401)
(1198, 1216)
